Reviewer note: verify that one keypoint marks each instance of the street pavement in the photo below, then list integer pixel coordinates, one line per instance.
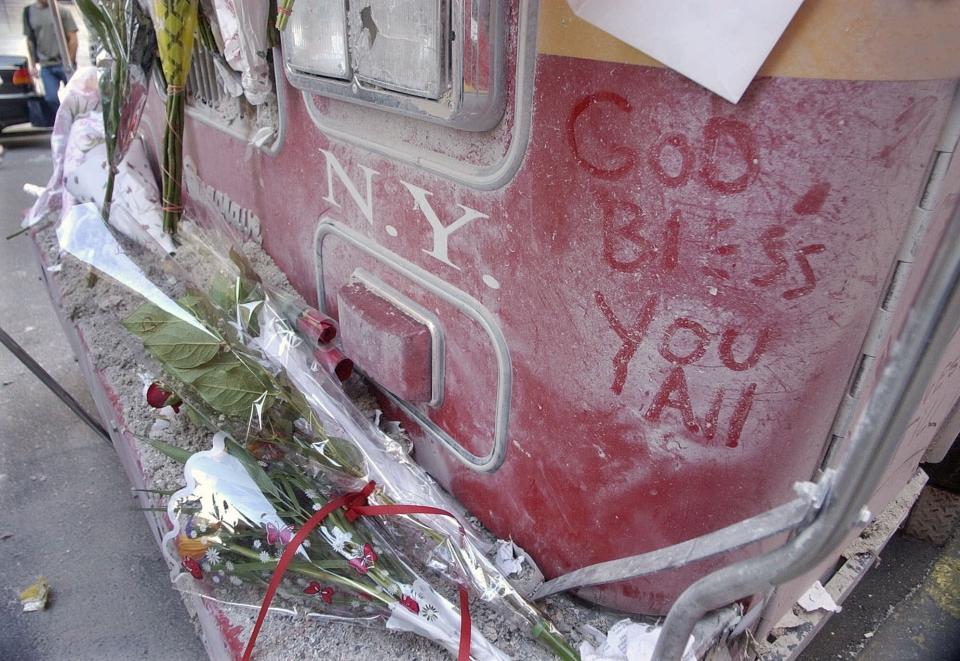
(907, 608)
(66, 510)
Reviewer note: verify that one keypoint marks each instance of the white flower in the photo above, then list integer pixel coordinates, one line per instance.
(264, 556)
(256, 544)
(235, 580)
(206, 567)
(213, 556)
(317, 507)
(337, 537)
(229, 565)
(216, 579)
(311, 494)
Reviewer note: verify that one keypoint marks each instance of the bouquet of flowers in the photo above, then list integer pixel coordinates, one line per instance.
(299, 488)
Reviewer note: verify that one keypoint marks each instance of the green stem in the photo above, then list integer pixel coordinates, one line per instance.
(543, 633)
(173, 161)
(108, 193)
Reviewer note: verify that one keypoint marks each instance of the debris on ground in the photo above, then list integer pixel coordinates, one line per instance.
(34, 597)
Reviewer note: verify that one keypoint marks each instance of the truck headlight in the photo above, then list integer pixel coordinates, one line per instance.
(315, 40)
(438, 60)
(398, 45)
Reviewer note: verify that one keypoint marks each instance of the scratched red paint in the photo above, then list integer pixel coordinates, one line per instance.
(812, 201)
(625, 155)
(753, 238)
(679, 142)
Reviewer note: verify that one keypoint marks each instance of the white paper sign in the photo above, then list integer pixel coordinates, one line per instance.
(720, 45)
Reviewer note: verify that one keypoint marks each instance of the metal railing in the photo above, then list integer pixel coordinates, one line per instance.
(932, 321)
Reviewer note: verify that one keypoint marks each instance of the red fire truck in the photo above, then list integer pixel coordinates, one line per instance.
(625, 321)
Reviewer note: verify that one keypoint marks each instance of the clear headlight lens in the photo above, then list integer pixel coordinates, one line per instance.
(399, 45)
(315, 40)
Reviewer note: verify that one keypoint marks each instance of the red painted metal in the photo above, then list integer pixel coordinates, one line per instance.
(335, 362)
(682, 286)
(317, 326)
(390, 346)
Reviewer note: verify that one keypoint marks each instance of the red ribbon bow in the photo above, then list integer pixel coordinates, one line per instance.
(356, 505)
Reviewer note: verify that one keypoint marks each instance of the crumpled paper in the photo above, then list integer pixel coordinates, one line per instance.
(509, 558)
(817, 598)
(34, 597)
(242, 28)
(627, 641)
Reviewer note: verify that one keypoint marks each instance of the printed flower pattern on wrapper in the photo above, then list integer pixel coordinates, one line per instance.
(326, 593)
(338, 539)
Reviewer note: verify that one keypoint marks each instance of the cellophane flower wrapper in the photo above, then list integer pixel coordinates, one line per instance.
(235, 517)
(81, 97)
(291, 440)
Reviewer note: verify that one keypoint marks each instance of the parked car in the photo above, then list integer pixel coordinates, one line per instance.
(19, 101)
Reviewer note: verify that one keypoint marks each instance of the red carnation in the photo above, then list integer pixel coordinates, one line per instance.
(157, 397)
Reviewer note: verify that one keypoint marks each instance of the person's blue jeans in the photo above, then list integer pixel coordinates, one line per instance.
(52, 75)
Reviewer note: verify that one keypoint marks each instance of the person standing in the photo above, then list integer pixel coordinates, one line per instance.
(43, 50)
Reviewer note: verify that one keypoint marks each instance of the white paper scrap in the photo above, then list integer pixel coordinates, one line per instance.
(720, 45)
(817, 598)
(509, 559)
(627, 641)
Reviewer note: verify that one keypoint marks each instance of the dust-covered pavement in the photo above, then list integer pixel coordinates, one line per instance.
(907, 607)
(66, 510)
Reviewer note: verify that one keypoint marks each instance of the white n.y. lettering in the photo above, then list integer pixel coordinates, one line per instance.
(334, 167)
(441, 234)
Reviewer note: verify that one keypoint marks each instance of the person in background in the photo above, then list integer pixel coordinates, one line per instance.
(43, 50)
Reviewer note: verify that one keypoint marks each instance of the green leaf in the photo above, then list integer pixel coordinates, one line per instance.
(179, 455)
(237, 297)
(229, 385)
(254, 469)
(171, 340)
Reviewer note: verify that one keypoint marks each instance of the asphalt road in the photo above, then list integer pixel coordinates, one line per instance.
(66, 510)
(907, 608)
